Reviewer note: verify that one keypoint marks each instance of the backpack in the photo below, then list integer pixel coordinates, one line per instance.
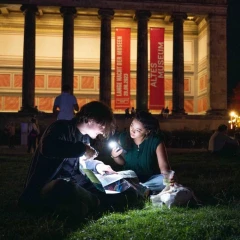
(177, 195)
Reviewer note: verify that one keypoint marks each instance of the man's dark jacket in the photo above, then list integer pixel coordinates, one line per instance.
(57, 156)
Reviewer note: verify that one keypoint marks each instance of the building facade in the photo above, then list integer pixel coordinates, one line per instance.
(44, 44)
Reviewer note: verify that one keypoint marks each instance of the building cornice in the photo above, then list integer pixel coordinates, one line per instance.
(169, 6)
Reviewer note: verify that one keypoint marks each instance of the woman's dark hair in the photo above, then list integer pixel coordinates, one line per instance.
(148, 121)
(98, 112)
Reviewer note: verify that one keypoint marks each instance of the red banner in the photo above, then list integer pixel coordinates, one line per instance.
(156, 68)
(122, 68)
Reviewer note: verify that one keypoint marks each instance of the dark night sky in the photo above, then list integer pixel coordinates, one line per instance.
(233, 44)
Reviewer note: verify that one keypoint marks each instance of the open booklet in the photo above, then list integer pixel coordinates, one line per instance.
(112, 183)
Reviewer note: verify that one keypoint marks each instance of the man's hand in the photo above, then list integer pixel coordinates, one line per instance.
(90, 153)
(104, 169)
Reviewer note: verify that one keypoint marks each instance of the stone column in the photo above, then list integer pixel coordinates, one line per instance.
(28, 76)
(217, 55)
(68, 14)
(178, 64)
(106, 15)
(142, 18)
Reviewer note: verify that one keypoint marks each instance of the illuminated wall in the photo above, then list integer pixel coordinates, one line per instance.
(203, 69)
(86, 61)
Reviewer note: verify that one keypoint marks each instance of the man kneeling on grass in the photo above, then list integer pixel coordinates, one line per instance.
(55, 181)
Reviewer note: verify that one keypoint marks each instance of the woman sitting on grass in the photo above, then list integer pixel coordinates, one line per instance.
(145, 151)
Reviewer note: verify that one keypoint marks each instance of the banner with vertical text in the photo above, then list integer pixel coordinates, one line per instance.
(156, 68)
(122, 68)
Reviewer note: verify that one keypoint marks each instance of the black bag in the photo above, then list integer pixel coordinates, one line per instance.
(33, 133)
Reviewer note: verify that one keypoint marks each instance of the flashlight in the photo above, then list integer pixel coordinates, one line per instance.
(114, 144)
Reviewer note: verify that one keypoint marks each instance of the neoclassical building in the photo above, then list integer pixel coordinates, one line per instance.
(46, 43)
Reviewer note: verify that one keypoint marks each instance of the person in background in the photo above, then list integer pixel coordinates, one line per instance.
(133, 112)
(162, 112)
(222, 144)
(10, 131)
(145, 151)
(166, 112)
(33, 133)
(65, 104)
(127, 113)
(55, 180)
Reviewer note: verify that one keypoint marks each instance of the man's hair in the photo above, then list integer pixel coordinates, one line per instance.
(148, 121)
(65, 88)
(222, 128)
(98, 112)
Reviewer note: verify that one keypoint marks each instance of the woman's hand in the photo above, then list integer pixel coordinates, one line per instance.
(116, 152)
(169, 178)
(173, 180)
(116, 156)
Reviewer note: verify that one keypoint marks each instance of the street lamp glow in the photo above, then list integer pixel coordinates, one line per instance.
(232, 114)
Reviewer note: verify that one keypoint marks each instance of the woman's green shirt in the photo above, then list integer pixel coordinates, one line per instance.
(142, 159)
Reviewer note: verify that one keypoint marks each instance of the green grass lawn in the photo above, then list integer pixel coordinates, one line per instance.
(214, 180)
